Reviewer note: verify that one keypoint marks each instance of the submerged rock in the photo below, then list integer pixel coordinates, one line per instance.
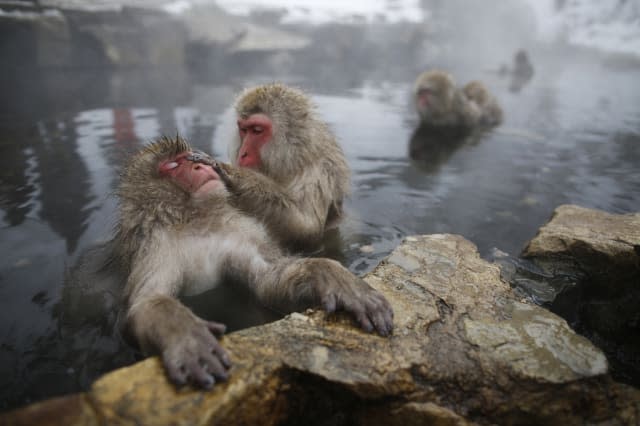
(465, 350)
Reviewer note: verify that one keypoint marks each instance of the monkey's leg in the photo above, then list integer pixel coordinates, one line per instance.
(186, 343)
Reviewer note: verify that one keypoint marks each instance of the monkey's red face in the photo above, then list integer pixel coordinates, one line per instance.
(255, 131)
(195, 178)
(423, 98)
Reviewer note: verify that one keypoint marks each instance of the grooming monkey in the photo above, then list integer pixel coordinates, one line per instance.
(286, 168)
(440, 103)
(178, 233)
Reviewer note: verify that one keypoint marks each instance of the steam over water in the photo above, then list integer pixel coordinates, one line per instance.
(571, 135)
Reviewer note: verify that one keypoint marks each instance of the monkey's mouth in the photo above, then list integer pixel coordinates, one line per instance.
(203, 177)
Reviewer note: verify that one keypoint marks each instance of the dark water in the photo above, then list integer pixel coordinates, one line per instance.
(571, 135)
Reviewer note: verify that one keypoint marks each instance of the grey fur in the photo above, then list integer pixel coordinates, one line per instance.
(469, 107)
(172, 242)
(299, 189)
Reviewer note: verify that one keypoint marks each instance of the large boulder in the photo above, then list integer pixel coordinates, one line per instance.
(600, 243)
(601, 251)
(465, 350)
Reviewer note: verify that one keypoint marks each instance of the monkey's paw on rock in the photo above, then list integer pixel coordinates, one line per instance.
(464, 350)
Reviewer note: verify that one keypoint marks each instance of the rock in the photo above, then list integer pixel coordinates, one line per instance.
(600, 243)
(464, 351)
(601, 251)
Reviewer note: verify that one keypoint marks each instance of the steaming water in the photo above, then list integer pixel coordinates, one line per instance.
(571, 136)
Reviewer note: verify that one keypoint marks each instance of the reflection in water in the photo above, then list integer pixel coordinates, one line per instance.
(57, 178)
(431, 146)
(571, 137)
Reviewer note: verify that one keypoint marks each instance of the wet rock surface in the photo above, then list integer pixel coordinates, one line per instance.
(599, 242)
(602, 252)
(465, 350)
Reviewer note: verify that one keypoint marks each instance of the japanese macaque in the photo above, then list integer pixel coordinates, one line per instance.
(440, 103)
(286, 168)
(522, 71)
(178, 234)
(491, 113)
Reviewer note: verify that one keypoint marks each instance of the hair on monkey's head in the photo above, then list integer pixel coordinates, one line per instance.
(276, 100)
(144, 164)
(166, 147)
(476, 91)
(142, 191)
(436, 80)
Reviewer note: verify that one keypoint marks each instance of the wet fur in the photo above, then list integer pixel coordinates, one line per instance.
(469, 107)
(299, 189)
(171, 243)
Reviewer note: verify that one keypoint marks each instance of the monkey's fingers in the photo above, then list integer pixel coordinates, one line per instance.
(218, 329)
(214, 366)
(380, 320)
(363, 320)
(329, 302)
(223, 171)
(222, 355)
(175, 371)
(197, 156)
(381, 314)
(198, 375)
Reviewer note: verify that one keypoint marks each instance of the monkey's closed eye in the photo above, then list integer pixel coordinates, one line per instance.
(167, 166)
(257, 129)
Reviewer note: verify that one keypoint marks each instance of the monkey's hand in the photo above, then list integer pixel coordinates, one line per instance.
(198, 156)
(226, 173)
(192, 354)
(369, 307)
(335, 288)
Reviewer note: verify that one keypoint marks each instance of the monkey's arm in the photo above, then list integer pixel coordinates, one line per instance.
(323, 282)
(300, 219)
(162, 325)
(468, 111)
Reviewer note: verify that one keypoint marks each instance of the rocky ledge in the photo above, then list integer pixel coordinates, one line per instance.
(465, 350)
(598, 254)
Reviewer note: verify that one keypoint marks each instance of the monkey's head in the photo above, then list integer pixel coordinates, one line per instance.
(476, 91)
(434, 93)
(273, 129)
(521, 57)
(160, 183)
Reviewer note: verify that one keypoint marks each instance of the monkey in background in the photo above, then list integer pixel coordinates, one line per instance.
(491, 113)
(178, 233)
(286, 167)
(440, 103)
(522, 71)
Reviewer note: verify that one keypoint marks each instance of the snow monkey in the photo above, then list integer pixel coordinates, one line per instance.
(178, 233)
(440, 103)
(286, 168)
